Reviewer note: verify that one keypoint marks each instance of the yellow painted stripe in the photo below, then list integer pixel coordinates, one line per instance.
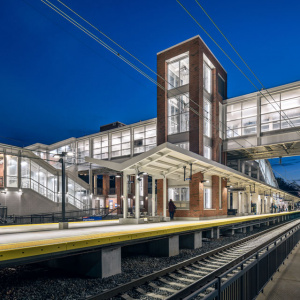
(33, 248)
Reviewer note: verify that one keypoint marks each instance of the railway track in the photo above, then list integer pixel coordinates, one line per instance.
(178, 281)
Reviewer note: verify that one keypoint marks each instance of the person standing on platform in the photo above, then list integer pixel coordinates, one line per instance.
(172, 209)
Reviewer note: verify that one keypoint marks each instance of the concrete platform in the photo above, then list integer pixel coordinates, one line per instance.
(286, 282)
(21, 242)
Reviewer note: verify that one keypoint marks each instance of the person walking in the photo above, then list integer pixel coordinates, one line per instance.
(172, 209)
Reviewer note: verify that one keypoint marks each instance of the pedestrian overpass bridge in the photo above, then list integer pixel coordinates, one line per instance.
(263, 124)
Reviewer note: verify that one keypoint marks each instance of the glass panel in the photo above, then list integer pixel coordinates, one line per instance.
(185, 195)
(233, 115)
(207, 78)
(249, 112)
(249, 130)
(269, 108)
(275, 99)
(207, 152)
(184, 71)
(290, 94)
(207, 118)
(12, 171)
(248, 104)
(173, 107)
(173, 74)
(207, 198)
(234, 107)
(270, 126)
(270, 117)
(292, 103)
(291, 113)
(249, 122)
(173, 124)
(1, 170)
(184, 122)
(178, 73)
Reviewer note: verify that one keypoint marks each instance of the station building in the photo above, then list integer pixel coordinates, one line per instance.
(206, 152)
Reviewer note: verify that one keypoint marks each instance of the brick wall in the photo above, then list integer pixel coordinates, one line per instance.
(160, 197)
(105, 185)
(196, 49)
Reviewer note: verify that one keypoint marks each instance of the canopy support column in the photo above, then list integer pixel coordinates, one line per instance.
(153, 196)
(137, 195)
(165, 197)
(125, 195)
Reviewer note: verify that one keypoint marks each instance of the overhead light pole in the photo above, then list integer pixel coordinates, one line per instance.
(63, 224)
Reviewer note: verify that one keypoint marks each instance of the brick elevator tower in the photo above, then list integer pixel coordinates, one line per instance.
(189, 115)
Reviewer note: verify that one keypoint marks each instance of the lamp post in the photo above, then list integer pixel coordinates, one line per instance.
(63, 224)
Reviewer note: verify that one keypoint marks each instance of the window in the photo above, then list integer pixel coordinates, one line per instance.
(82, 150)
(242, 118)
(178, 71)
(178, 114)
(178, 194)
(1, 170)
(207, 78)
(100, 147)
(70, 148)
(12, 171)
(280, 111)
(120, 143)
(221, 86)
(144, 138)
(207, 198)
(207, 118)
(207, 152)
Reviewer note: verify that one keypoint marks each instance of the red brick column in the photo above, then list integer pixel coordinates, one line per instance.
(160, 197)
(118, 191)
(105, 185)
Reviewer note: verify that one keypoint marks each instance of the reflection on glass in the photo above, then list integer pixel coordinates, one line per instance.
(178, 114)
(178, 72)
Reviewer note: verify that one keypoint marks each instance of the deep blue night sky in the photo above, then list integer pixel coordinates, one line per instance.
(55, 82)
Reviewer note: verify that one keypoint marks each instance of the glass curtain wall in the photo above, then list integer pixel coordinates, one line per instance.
(44, 182)
(178, 71)
(54, 161)
(242, 118)
(77, 195)
(1, 170)
(120, 143)
(12, 171)
(100, 147)
(83, 149)
(178, 114)
(144, 138)
(281, 111)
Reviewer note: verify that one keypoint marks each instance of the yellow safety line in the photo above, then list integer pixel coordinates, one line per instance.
(32, 248)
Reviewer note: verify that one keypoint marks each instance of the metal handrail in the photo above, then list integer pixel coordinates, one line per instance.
(55, 193)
